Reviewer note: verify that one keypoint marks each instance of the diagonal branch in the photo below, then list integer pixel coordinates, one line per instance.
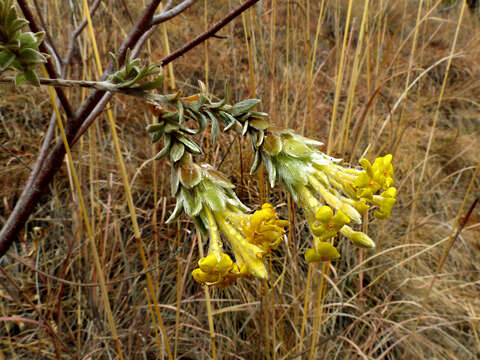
(209, 33)
(170, 13)
(38, 180)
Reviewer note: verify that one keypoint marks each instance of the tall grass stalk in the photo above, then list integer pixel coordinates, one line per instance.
(311, 64)
(286, 75)
(435, 120)
(347, 115)
(91, 237)
(339, 79)
(126, 187)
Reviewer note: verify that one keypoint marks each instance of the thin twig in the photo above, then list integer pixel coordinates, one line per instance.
(71, 43)
(50, 67)
(85, 114)
(168, 14)
(209, 33)
(15, 156)
(45, 322)
(47, 33)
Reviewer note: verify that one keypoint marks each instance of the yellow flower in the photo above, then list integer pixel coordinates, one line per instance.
(385, 202)
(327, 224)
(221, 273)
(357, 237)
(211, 271)
(322, 185)
(377, 176)
(264, 229)
(322, 251)
(245, 252)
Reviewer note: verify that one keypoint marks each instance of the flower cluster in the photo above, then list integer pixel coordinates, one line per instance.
(208, 198)
(332, 196)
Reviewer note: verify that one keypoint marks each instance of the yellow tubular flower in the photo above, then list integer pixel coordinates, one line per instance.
(385, 202)
(315, 179)
(377, 176)
(357, 237)
(328, 225)
(264, 229)
(211, 271)
(246, 253)
(322, 251)
(334, 201)
(217, 268)
(218, 273)
(308, 202)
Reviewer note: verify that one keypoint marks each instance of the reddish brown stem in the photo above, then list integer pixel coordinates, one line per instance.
(46, 168)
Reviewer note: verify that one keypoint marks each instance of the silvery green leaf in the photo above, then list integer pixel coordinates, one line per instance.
(202, 99)
(188, 130)
(261, 137)
(258, 114)
(229, 120)
(307, 141)
(215, 127)
(271, 169)
(245, 128)
(181, 115)
(190, 145)
(244, 106)
(19, 78)
(174, 180)
(291, 170)
(171, 127)
(177, 211)
(296, 148)
(157, 136)
(116, 66)
(198, 221)
(166, 147)
(31, 56)
(17, 65)
(213, 196)
(227, 92)
(216, 177)
(219, 104)
(170, 115)
(11, 14)
(259, 124)
(27, 39)
(176, 151)
(191, 202)
(256, 163)
(215, 130)
(173, 97)
(195, 105)
(152, 85)
(226, 107)
(229, 125)
(158, 127)
(6, 58)
(31, 77)
(199, 118)
(16, 25)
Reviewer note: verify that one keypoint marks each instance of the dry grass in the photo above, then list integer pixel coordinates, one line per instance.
(387, 304)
